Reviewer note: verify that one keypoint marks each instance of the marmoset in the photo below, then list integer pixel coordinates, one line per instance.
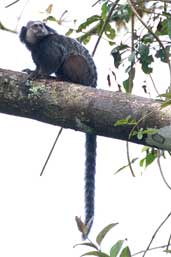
(70, 61)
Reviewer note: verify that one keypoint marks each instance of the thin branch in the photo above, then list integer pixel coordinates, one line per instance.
(128, 158)
(155, 233)
(131, 73)
(168, 244)
(22, 11)
(161, 171)
(12, 3)
(130, 86)
(151, 249)
(104, 26)
(50, 153)
(154, 86)
(96, 3)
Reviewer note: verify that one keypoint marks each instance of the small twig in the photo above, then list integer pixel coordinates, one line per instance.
(161, 171)
(150, 249)
(22, 11)
(139, 121)
(155, 233)
(155, 88)
(12, 3)
(131, 73)
(96, 3)
(61, 19)
(128, 158)
(50, 153)
(168, 244)
(99, 1)
(130, 85)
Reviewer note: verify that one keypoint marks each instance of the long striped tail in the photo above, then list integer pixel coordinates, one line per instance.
(90, 170)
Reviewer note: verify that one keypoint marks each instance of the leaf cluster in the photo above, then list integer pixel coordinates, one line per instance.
(117, 250)
(141, 47)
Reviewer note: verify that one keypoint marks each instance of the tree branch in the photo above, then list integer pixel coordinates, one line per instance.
(85, 109)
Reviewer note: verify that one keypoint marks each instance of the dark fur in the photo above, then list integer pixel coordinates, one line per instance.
(68, 59)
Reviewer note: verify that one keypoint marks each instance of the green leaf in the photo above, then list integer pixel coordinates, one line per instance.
(142, 162)
(95, 31)
(165, 104)
(131, 57)
(116, 248)
(147, 38)
(110, 32)
(134, 133)
(146, 69)
(162, 28)
(150, 131)
(122, 47)
(166, 95)
(145, 59)
(117, 58)
(161, 54)
(88, 22)
(117, 52)
(145, 148)
(127, 121)
(140, 135)
(104, 10)
(103, 232)
(96, 253)
(69, 32)
(51, 18)
(86, 40)
(126, 85)
(169, 27)
(150, 158)
(88, 244)
(125, 252)
(111, 43)
(122, 13)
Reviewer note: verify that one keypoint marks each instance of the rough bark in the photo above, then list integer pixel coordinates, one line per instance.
(85, 109)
